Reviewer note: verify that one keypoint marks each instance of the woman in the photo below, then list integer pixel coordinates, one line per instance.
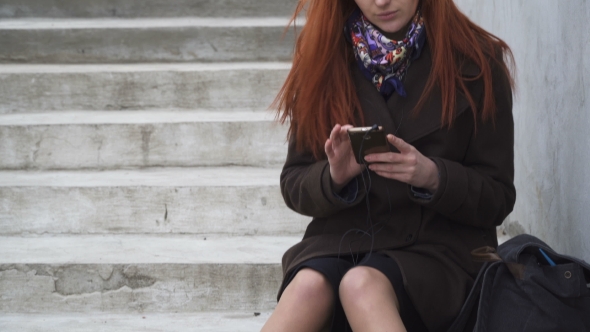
(389, 245)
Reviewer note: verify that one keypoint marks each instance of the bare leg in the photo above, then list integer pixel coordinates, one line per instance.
(369, 301)
(305, 305)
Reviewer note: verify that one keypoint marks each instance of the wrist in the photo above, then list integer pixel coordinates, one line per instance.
(434, 181)
(337, 186)
(434, 186)
(338, 182)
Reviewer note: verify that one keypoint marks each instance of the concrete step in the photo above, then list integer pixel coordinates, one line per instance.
(145, 8)
(247, 86)
(93, 322)
(38, 40)
(226, 200)
(112, 140)
(137, 274)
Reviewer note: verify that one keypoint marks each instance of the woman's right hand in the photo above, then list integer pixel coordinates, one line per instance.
(343, 166)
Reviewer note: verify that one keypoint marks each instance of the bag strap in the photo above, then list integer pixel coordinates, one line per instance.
(485, 254)
(489, 256)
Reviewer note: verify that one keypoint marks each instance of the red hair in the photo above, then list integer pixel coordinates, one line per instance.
(319, 91)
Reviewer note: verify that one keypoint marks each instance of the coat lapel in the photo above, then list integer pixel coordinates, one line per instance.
(373, 104)
(396, 116)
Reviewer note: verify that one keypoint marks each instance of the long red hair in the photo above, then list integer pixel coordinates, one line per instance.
(319, 91)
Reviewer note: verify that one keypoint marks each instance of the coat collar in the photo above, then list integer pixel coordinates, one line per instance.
(395, 114)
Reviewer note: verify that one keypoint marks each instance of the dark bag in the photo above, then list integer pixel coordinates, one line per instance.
(518, 290)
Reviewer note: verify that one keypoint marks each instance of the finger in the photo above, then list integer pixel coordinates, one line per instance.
(334, 133)
(387, 157)
(344, 132)
(394, 176)
(386, 175)
(390, 175)
(328, 148)
(341, 137)
(389, 168)
(399, 143)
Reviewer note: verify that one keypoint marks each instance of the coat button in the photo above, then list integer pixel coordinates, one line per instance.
(568, 275)
(410, 237)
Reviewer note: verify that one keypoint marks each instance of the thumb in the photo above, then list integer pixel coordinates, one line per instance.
(399, 143)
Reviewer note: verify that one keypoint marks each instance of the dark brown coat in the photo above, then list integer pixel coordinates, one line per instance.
(430, 240)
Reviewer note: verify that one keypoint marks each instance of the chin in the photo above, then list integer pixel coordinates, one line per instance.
(390, 28)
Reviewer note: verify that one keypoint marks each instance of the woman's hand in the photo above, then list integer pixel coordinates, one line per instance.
(408, 166)
(343, 166)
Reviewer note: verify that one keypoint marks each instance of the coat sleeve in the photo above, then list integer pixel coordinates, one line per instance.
(479, 191)
(306, 185)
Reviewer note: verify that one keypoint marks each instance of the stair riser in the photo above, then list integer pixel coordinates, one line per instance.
(138, 288)
(145, 8)
(150, 210)
(185, 44)
(112, 146)
(45, 91)
(225, 321)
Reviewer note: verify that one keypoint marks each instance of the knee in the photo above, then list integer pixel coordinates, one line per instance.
(310, 284)
(356, 282)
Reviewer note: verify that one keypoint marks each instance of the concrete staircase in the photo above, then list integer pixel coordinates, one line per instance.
(139, 166)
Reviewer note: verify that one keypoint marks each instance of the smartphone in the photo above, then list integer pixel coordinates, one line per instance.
(366, 140)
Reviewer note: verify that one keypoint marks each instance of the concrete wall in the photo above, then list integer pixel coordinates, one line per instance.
(551, 43)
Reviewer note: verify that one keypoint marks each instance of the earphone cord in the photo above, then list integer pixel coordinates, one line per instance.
(370, 231)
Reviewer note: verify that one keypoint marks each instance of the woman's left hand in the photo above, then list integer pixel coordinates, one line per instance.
(408, 166)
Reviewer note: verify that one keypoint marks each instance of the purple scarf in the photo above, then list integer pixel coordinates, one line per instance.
(382, 60)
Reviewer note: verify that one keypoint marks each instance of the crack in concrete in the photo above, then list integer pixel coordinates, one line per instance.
(166, 213)
(77, 280)
(71, 280)
(146, 133)
(99, 141)
(213, 47)
(26, 269)
(37, 148)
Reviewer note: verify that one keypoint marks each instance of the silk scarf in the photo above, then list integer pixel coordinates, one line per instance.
(382, 60)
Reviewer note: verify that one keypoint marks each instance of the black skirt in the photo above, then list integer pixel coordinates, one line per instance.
(334, 268)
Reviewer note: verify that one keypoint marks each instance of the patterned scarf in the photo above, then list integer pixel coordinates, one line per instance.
(382, 60)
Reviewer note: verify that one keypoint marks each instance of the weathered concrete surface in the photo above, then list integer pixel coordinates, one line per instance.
(110, 140)
(138, 288)
(157, 177)
(144, 40)
(143, 249)
(165, 241)
(552, 115)
(130, 274)
(245, 321)
(145, 8)
(234, 211)
(228, 200)
(33, 88)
